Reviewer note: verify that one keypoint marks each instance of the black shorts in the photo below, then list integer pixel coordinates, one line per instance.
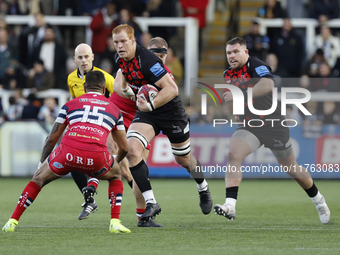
(274, 138)
(175, 126)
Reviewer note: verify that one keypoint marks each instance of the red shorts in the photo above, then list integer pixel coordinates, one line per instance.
(127, 118)
(65, 159)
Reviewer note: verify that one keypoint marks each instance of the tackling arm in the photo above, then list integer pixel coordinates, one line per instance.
(52, 139)
(169, 91)
(120, 138)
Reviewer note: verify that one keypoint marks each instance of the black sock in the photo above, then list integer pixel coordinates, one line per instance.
(197, 174)
(140, 174)
(231, 192)
(130, 183)
(80, 179)
(313, 191)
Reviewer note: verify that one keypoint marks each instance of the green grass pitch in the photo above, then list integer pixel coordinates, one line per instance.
(273, 217)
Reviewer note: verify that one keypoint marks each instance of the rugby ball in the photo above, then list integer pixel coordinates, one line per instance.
(148, 92)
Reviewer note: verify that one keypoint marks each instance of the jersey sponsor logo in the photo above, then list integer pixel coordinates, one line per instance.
(72, 134)
(83, 100)
(157, 69)
(97, 101)
(262, 70)
(58, 165)
(88, 129)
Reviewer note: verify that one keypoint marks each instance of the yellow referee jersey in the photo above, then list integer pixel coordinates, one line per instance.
(75, 82)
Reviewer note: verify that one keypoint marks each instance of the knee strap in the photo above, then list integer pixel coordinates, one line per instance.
(181, 151)
(139, 136)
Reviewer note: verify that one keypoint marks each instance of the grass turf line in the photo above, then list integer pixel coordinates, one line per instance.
(273, 217)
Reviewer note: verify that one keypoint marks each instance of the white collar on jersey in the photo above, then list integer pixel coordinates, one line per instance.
(98, 93)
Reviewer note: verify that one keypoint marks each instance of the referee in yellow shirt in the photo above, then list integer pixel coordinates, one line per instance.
(83, 56)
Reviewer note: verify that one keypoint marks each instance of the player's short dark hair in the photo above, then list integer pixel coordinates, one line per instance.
(159, 42)
(95, 80)
(237, 40)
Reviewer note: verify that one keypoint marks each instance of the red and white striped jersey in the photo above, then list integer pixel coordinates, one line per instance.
(90, 117)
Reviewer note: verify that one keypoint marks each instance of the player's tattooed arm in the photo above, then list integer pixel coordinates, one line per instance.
(52, 139)
(46, 151)
(55, 127)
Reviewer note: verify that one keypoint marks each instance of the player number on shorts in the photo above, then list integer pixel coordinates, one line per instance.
(96, 117)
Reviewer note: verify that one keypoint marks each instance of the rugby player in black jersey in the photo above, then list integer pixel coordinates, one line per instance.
(245, 72)
(165, 113)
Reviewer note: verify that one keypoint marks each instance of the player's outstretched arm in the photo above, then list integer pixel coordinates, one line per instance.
(52, 139)
(120, 138)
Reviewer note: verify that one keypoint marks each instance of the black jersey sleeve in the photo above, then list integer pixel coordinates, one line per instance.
(153, 67)
(259, 69)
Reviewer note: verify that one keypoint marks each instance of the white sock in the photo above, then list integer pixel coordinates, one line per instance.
(149, 197)
(317, 198)
(202, 186)
(231, 201)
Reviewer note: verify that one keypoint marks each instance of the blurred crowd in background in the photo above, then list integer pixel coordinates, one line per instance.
(41, 56)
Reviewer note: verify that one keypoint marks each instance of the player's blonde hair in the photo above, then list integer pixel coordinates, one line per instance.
(124, 27)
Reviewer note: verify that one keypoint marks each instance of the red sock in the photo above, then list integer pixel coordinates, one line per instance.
(139, 212)
(27, 197)
(94, 182)
(115, 196)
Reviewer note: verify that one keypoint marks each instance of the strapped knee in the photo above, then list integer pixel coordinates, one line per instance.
(181, 151)
(139, 136)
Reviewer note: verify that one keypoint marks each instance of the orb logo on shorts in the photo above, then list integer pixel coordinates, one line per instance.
(58, 165)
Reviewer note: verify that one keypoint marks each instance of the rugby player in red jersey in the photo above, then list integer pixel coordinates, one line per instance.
(91, 118)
